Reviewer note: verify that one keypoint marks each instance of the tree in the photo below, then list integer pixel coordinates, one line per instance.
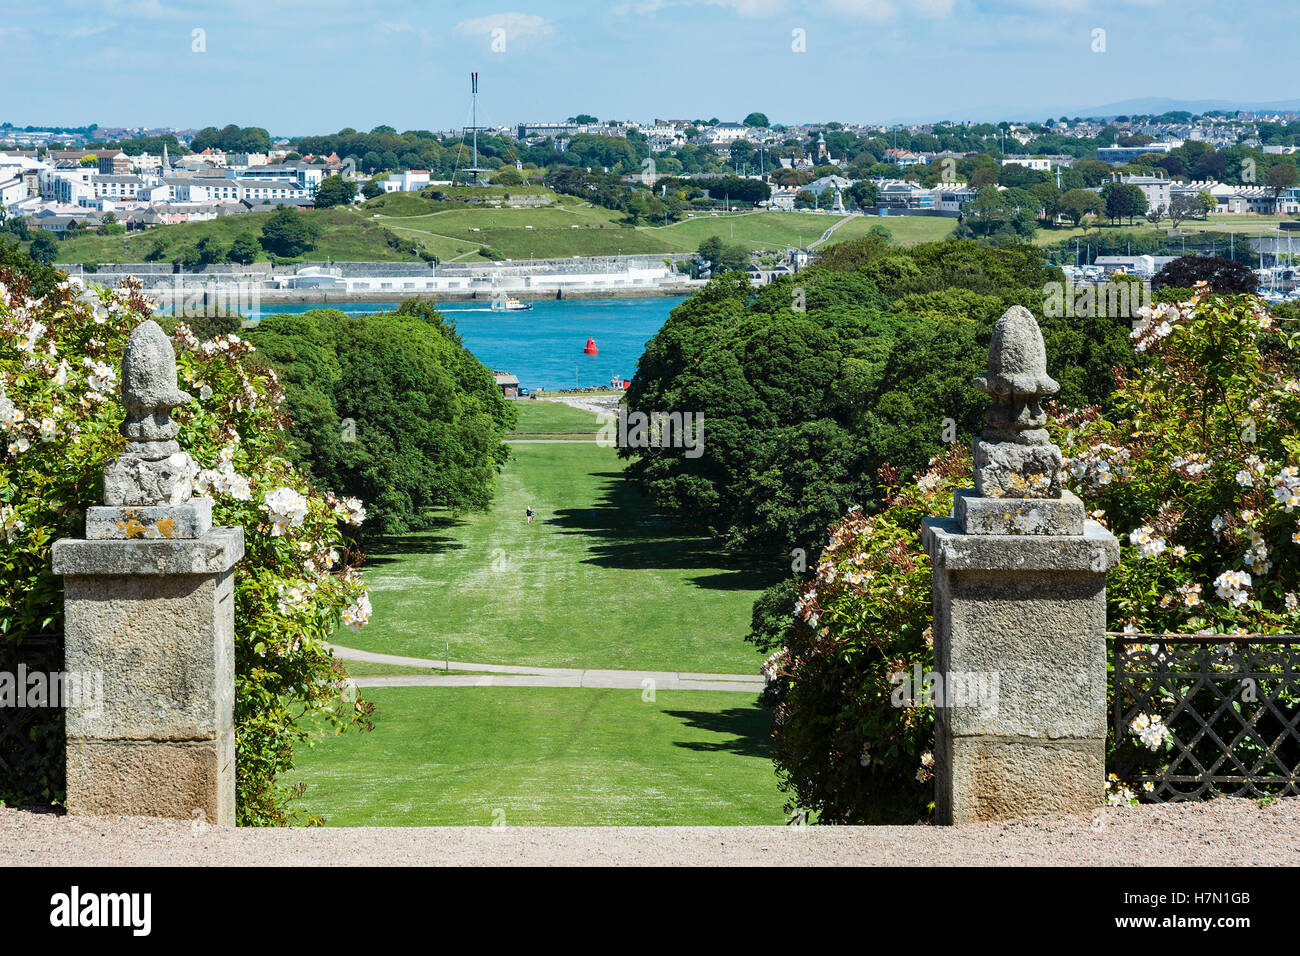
(288, 233)
(756, 119)
(1183, 206)
(1207, 201)
(1077, 203)
(1155, 214)
(584, 119)
(863, 193)
(335, 191)
(44, 249)
(188, 257)
(428, 415)
(1225, 276)
(792, 177)
(1118, 200)
(806, 405)
(244, 250)
(1137, 201)
(90, 159)
(1282, 175)
(209, 251)
(1212, 165)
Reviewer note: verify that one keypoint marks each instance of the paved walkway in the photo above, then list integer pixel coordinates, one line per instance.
(518, 675)
(827, 234)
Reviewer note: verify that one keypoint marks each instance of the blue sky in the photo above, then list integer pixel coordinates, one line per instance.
(311, 66)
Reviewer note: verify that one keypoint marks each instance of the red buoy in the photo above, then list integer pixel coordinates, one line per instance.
(591, 346)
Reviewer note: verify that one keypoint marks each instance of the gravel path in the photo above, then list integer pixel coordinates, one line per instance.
(1222, 832)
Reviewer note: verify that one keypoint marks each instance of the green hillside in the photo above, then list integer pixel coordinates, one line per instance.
(566, 226)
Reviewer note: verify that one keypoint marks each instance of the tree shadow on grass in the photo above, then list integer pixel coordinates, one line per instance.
(629, 534)
(745, 729)
(436, 539)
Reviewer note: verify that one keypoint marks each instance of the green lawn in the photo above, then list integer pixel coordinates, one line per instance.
(1242, 225)
(472, 756)
(543, 418)
(906, 230)
(596, 581)
(345, 235)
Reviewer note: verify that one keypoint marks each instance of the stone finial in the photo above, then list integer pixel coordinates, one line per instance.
(149, 392)
(1014, 457)
(152, 470)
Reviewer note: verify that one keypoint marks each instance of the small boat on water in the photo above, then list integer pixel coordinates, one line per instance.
(590, 348)
(510, 305)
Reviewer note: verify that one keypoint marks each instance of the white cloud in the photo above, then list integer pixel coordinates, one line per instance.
(78, 32)
(751, 8)
(140, 9)
(517, 26)
(932, 8)
(874, 10)
(746, 8)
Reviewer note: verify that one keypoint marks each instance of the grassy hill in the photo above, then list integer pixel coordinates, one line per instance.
(566, 226)
(343, 235)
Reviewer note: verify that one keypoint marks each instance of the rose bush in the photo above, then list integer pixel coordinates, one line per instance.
(1194, 466)
(59, 417)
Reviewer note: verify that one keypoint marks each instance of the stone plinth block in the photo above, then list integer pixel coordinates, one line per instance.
(216, 551)
(190, 520)
(1009, 470)
(1001, 780)
(154, 618)
(975, 515)
(153, 779)
(137, 480)
(1024, 614)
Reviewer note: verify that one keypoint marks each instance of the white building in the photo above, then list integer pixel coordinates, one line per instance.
(12, 191)
(1154, 188)
(724, 134)
(1029, 162)
(411, 181)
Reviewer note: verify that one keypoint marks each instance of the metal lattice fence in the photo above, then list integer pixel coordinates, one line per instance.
(1220, 715)
(31, 738)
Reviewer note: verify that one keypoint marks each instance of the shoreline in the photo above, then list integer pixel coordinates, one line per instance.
(302, 296)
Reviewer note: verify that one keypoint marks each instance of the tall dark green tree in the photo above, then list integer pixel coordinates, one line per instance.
(335, 191)
(288, 233)
(390, 408)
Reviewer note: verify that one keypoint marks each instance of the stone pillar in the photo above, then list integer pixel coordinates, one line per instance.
(1019, 606)
(149, 607)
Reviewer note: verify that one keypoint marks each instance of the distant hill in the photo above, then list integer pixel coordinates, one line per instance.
(1140, 105)
(1160, 104)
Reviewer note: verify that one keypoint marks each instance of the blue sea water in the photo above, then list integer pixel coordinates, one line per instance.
(543, 346)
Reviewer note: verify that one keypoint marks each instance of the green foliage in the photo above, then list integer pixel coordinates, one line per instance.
(60, 414)
(1195, 467)
(809, 385)
(1224, 276)
(232, 139)
(390, 408)
(244, 250)
(845, 748)
(44, 247)
(335, 191)
(40, 276)
(288, 233)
